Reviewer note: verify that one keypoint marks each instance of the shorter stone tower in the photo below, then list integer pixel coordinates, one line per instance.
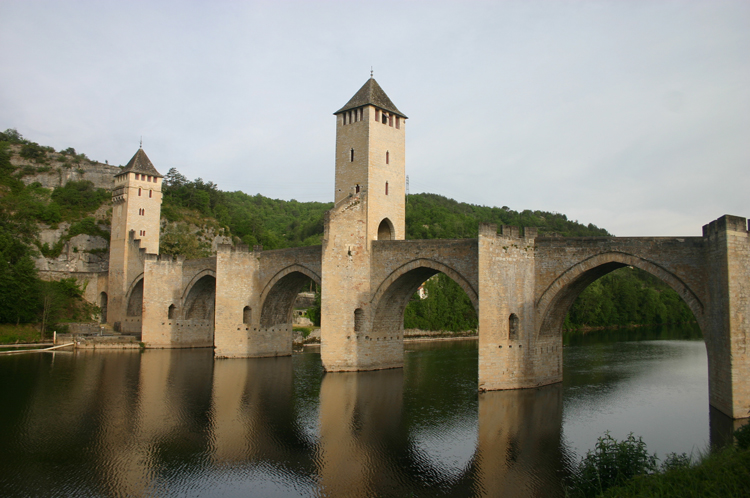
(136, 212)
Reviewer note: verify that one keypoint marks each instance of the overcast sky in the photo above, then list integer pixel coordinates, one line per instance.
(632, 115)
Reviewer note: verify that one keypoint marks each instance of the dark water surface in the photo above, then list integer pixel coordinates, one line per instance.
(179, 423)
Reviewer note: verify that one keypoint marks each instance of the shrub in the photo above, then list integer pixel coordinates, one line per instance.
(742, 436)
(612, 463)
(33, 151)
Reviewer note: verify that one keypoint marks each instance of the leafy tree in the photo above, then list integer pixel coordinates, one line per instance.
(446, 307)
(19, 286)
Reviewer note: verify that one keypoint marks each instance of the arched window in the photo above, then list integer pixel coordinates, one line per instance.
(359, 318)
(351, 155)
(386, 188)
(139, 191)
(247, 314)
(170, 311)
(150, 192)
(513, 326)
(387, 157)
(356, 188)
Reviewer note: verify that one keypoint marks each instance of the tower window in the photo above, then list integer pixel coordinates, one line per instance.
(377, 114)
(386, 188)
(398, 122)
(351, 155)
(150, 192)
(361, 113)
(137, 176)
(343, 119)
(387, 157)
(139, 191)
(384, 120)
(247, 315)
(170, 312)
(356, 189)
(390, 120)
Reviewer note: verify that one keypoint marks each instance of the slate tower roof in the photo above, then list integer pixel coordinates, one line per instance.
(140, 163)
(371, 94)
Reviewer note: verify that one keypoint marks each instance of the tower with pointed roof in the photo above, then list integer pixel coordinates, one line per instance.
(370, 157)
(136, 214)
(369, 210)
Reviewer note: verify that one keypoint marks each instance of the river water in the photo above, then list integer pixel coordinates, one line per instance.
(179, 423)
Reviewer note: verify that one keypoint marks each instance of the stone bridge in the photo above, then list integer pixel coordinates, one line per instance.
(522, 286)
(239, 301)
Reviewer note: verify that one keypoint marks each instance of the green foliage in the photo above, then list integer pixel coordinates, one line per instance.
(87, 226)
(255, 219)
(446, 307)
(14, 334)
(612, 463)
(742, 436)
(19, 285)
(12, 136)
(77, 199)
(34, 152)
(178, 238)
(627, 296)
(718, 475)
(314, 313)
(432, 216)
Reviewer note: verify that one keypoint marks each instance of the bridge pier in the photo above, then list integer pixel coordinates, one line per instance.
(726, 327)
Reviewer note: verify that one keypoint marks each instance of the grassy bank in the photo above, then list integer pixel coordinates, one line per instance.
(722, 474)
(19, 334)
(625, 468)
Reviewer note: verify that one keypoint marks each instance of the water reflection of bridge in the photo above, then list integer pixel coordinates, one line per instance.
(164, 416)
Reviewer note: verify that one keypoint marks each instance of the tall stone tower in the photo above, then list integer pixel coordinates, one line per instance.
(370, 157)
(136, 211)
(369, 208)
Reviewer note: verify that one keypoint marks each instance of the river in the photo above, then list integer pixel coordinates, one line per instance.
(179, 423)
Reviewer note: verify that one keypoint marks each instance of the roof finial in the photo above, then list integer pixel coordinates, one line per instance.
(371, 72)
(141, 142)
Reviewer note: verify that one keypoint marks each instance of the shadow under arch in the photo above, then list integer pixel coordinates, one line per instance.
(279, 294)
(135, 297)
(393, 294)
(200, 301)
(557, 299)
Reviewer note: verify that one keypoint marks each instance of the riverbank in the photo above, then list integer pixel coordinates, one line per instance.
(721, 474)
(308, 336)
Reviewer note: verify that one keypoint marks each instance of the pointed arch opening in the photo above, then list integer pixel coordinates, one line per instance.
(385, 230)
(135, 300)
(201, 300)
(642, 292)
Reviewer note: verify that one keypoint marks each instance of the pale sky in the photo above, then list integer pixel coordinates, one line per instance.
(632, 115)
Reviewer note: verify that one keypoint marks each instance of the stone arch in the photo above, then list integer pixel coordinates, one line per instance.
(103, 301)
(560, 295)
(279, 294)
(199, 304)
(135, 297)
(386, 230)
(393, 294)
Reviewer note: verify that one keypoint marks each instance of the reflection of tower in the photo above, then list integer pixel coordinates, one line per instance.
(520, 435)
(370, 157)
(136, 210)
(369, 206)
(360, 415)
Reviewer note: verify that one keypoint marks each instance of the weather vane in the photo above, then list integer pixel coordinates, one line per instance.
(141, 141)
(370, 71)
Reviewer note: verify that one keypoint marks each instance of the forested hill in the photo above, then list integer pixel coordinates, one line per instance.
(277, 223)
